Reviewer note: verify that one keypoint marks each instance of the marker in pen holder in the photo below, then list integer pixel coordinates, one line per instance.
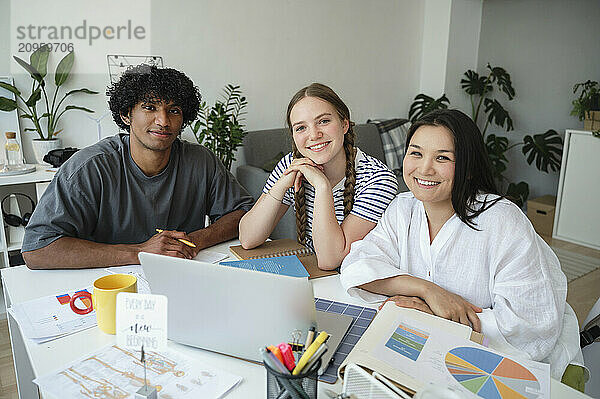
(282, 386)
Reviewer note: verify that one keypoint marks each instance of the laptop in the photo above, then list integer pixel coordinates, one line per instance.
(229, 310)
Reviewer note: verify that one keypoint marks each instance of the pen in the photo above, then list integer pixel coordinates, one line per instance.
(318, 354)
(183, 240)
(277, 352)
(309, 336)
(310, 351)
(287, 355)
(271, 361)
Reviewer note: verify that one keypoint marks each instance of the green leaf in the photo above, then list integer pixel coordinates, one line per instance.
(39, 59)
(424, 104)
(518, 193)
(474, 84)
(30, 129)
(10, 88)
(502, 79)
(26, 116)
(63, 69)
(84, 90)
(32, 71)
(545, 149)
(70, 107)
(196, 126)
(7, 104)
(497, 114)
(496, 148)
(34, 97)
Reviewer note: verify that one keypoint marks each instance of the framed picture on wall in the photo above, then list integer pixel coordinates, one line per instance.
(117, 64)
(9, 121)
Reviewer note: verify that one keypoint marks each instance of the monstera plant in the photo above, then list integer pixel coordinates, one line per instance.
(544, 149)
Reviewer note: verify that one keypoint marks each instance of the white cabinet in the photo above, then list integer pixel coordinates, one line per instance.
(9, 184)
(577, 217)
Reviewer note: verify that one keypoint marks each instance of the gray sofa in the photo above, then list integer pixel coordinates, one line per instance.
(262, 146)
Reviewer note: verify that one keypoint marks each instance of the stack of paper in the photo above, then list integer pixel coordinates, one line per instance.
(113, 372)
(138, 271)
(412, 348)
(50, 317)
(135, 270)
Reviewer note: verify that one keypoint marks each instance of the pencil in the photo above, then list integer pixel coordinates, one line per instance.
(186, 242)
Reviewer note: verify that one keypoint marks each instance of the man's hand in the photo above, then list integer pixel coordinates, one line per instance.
(452, 307)
(167, 243)
(411, 302)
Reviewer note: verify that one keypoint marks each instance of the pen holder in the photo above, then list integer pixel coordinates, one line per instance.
(301, 386)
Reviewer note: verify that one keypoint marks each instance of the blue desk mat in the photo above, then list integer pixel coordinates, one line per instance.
(361, 319)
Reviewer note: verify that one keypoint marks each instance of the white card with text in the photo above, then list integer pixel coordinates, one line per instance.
(141, 320)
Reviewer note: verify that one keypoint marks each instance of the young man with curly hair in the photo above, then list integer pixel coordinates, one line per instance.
(105, 203)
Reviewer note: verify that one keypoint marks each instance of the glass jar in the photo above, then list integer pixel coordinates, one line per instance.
(12, 152)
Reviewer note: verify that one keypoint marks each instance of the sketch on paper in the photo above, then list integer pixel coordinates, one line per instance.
(117, 373)
(117, 64)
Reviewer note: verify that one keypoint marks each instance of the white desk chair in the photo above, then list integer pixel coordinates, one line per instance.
(591, 355)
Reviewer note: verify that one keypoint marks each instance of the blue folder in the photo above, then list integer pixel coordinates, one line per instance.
(286, 265)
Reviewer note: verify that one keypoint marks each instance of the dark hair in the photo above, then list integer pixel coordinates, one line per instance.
(150, 83)
(473, 171)
(327, 94)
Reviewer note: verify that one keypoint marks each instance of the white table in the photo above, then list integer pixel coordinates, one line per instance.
(32, 360)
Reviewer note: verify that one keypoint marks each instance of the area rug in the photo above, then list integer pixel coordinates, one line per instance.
(575, 265)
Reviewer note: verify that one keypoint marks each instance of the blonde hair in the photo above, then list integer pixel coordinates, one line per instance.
(327, 94)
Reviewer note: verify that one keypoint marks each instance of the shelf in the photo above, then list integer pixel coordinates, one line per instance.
(14, 246)
(41, 174)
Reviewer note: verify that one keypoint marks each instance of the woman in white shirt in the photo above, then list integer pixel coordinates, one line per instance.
(453, 247)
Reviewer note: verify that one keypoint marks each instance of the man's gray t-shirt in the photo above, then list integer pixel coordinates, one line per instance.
(101, 195)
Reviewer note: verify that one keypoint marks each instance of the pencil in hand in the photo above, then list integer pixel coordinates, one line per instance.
(186, 242)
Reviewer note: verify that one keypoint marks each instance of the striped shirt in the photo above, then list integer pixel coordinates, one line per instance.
(376, 186)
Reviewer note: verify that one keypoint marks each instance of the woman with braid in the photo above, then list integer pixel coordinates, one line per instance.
(338, 192)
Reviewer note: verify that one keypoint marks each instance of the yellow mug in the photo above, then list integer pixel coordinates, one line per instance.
(104, 299)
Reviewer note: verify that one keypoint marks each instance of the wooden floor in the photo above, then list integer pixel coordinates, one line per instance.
(8, 384)
(583, 293)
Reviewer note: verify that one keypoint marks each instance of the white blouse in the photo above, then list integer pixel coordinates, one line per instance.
(504, 268)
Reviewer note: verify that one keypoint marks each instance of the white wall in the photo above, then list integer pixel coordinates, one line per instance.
(369, 52)
(463, 46)
(547, 46)
(434, 54)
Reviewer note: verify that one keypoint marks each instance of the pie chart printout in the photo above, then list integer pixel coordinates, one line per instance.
(489, 375)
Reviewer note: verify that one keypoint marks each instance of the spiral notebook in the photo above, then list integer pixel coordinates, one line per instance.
(284, 247)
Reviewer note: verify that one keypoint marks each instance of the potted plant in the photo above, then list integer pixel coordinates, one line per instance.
(45, 121)
(220, 128)
(587, 106)
(544, 148)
